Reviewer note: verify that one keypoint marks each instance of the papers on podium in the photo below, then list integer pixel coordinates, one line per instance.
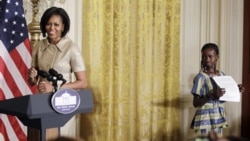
(232, 91)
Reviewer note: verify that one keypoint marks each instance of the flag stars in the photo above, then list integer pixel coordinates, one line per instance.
(13, 23)
(13, 32)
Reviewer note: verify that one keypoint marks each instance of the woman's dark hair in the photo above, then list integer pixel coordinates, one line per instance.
(55, 11)
(211, 46)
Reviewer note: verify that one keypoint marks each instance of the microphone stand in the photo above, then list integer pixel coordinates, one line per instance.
(54, 83)
(56, 77)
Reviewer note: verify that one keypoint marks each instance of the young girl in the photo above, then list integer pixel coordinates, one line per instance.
(210, 114)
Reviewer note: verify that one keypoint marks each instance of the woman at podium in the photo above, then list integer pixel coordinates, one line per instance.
(58, 52)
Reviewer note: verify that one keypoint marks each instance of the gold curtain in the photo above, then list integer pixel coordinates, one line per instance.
(131, 50)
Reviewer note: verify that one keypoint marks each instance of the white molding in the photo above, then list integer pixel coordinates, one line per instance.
(74, 9)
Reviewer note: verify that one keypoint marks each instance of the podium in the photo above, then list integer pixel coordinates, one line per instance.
(36, 110)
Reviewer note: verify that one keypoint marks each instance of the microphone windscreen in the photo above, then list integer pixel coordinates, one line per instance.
(57, 75)
(42, 73)
(60, 77)
(53, 72)
(50, 78)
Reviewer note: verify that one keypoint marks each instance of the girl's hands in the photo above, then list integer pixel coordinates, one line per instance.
(217, 94)
(220, 92)
(241, 88)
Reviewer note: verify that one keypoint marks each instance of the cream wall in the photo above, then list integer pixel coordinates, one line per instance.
(221, 22)
(74, 9)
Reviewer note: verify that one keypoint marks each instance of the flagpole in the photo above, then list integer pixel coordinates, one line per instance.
(34, 26)
(34, 30)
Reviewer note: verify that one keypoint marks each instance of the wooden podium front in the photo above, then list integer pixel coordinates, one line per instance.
(36, 112)
(34, 134)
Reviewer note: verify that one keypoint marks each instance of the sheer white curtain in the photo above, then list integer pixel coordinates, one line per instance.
(221, 22)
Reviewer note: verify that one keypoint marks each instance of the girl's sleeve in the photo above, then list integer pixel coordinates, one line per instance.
(197, 85)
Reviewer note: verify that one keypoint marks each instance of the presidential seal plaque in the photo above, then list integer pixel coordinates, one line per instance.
(65, 101)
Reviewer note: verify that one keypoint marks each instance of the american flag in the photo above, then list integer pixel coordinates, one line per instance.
(15, 59)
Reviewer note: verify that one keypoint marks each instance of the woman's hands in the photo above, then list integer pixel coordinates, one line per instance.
(45, 87)
(32, 74)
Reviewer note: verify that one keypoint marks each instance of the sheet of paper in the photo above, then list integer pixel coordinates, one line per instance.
(232, 91)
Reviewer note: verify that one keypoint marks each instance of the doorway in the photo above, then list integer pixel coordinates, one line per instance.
(245, 119)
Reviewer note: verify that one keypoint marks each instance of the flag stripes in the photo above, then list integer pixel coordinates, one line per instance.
(15, 59)
(13, 84)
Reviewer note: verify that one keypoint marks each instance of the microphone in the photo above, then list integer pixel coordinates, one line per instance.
(53, 72)
(45, 75)
(57, 75)
(50, 78)
(42, 73)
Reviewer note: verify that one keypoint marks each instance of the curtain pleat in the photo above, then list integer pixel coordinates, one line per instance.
(131, 51)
